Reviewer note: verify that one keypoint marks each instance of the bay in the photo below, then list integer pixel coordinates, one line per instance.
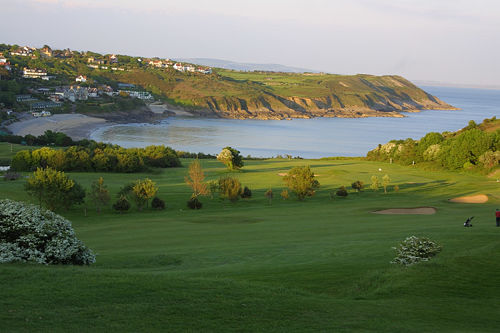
(308, 138)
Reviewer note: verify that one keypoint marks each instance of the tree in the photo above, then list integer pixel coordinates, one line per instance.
(51, 187)
(357, 185)
(375, 183)
(230, 188)
(231, 158)
(301, 181)
(75, 196)
(195, 179)
(99, 194)
(143, 191)
(385, 182)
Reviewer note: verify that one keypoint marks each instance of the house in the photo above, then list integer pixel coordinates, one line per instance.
(179, 67)
(3, 60)
(33, 73)
(81, 78)
(189, 68)
(23, 51)
(93, 66)
(144, 95)
(92, 92)
(76, 93)
(46, 51)
(205, 70)
(106, 90)
(92, 60)
(113, 59)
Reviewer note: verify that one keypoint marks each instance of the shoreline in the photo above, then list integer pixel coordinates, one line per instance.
(80, 126)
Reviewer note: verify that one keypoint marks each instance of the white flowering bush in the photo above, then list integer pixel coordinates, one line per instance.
(414, 249)
(28, 233)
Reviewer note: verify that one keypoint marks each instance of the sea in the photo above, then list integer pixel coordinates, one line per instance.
(307, 138)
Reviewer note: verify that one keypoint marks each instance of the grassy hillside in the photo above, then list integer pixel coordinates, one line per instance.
(317, 265)
(233, 94)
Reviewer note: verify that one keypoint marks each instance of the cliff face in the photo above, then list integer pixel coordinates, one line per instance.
(271, 106)
(264, 95)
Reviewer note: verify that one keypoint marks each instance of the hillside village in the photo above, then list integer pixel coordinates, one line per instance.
(50, 80)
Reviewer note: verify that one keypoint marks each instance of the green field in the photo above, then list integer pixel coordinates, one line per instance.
(251, 266)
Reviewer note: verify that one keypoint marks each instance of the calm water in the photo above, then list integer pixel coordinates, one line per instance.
(309, 138)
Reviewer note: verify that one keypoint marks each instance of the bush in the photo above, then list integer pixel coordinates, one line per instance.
(413, 250)
(158, 204)
(230, 188)
(194, 203)
(342, 192)
(357, 185)
(284, 194)
(28, 233)
(121, 205)
(11, 175)
(247, 193)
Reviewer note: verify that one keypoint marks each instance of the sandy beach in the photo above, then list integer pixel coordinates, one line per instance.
(77, 126)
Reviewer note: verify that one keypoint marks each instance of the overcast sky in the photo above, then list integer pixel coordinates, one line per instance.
(455, 41)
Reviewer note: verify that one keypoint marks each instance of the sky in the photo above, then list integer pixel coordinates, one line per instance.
(450, 41)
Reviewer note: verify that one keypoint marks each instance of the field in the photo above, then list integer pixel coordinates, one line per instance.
(285, 266)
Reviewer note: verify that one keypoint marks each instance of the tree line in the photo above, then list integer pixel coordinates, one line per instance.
(96, 157)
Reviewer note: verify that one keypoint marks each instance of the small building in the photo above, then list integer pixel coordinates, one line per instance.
(92, 92)
(41, 106)
(113, 59)
(34, 73)
(25, 98)
(125, 85)
(178, 66)
(46, 51)
(81, 78)
(77, 93)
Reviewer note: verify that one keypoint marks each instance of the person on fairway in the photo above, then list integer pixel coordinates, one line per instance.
(497, 215)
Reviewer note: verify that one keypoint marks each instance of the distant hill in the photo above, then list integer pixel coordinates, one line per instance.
(239, 66)
(261, 92)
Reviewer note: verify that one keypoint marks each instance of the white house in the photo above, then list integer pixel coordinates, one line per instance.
(179, 67)
(81, 78)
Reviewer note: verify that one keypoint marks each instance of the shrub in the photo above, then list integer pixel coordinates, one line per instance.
(158, 203)
(230, 188)
(194, 203)
(284, 194)
(121, 205)
(396, 188)
(414, 249)
(28, 233)
(11, 175)
(143, 191)
(342, 192)
(357, 185)
(231, 158)
(269, 195)
(247, 193)
(50, 187)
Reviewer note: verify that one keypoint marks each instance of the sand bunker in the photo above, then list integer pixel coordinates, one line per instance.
(406, 211)
(479, 198)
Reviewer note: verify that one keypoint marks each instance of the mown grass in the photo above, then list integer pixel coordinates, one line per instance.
(288, 266)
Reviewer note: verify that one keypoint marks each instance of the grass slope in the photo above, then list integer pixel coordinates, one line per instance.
(317, 265)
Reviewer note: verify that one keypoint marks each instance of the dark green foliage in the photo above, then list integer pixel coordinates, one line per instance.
(75, 196)
(158, 203)
(342, 192)
(126, 190)
(121, 205)
(357, 185)
(247, 193)
(194, 203)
